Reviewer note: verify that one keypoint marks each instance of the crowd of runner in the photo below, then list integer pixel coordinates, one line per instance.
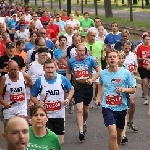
(49, 61)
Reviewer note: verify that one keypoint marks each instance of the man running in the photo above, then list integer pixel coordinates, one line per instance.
(116, 83)
(81, 67)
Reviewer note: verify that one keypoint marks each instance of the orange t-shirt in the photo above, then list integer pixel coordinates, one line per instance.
(22, 54)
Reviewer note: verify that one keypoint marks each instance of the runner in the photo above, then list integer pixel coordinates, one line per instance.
(143, 56)
(131, 64)
(51, 89)
(13, 92)
(16, 134)
(81, 67)
(116, 83)
(46, 138)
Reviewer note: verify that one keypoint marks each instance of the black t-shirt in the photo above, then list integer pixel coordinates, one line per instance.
(33, 56)
(4, 60)
(39, 14)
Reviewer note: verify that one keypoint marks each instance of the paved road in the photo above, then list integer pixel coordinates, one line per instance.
(142, 16)
(96, 137)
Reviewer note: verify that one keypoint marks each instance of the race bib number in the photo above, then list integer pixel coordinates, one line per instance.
(145, 63)
(62, 67)
(53, 106)
(113, 100)
(17, 97)
(131, 67)
(81, 72)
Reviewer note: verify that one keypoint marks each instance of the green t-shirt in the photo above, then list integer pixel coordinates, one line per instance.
(79, 18)
(97, 49)
(86, 24)
(50, 140)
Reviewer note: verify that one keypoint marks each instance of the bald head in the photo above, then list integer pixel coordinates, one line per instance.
(12, 63)
(16, 133)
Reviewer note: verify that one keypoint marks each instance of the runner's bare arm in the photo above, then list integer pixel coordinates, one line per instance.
(63, 61)
(34, 99)
(68, 74)
(28, 80)
(99, 94)
(2, 101)
(126, 90)
(69, 96)
(23, 69)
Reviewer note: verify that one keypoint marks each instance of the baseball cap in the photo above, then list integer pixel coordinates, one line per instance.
(14, 15)
(10, 44)
(144, 33)
(45, 23)
(41, 50)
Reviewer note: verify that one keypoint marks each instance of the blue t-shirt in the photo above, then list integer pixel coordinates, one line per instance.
(111, 80)
(18, 26)
(61, 24)
(11, 24)
(29, 46)
(139, 42)
(87, 63)
(49, 44)
(37, 85)
(112, 38)
(58, 53)
(118, 46)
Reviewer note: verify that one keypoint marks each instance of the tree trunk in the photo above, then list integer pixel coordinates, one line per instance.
(51, 4)
(85, 1)
(60, 4)
(96, 10)
(43, 5)
(135, 2)
(122, 2)
(35, 2)
(108, 9)
(142, 4)
(82, 6)
(131, 11)
(77, 1)
(68, 7)
(146, 2)
(26, 2)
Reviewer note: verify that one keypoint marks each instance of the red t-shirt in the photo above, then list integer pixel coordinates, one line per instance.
(51, 34)
(54, 27)
(143, 52)
(2, 49)
(64, 18)
(45, 19)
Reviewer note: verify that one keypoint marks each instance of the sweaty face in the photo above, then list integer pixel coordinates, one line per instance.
(81, 51)
(50, 70)
(13, 70)
(112, 59)
(18, 136)
(114, 27)
(92, 36)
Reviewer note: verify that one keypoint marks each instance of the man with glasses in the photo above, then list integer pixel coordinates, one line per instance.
(39, 12)
(38, 24)
(49, 43)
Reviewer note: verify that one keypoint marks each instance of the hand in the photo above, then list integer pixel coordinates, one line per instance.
(31, 104)
(103, 57)
(5, 69)
(149, 114)
(66, 102)
(98, 102)
(119, 90)
(89, 81)
(6, 105)
(135, 72)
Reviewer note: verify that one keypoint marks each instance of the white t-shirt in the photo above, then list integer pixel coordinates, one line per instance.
(96, 30)
(73, 22)
(22, 35)
(38, 24)
(2, 20)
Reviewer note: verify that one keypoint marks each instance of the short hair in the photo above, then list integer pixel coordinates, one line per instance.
(121, 54)
(114, 23)
(125, 31)
(61, 37)
(97, 18)
(144, 36)
(36, 41)
(110, 51)
(49, 61)
(76, 35)
(19, 42)
(35, 108)
(86, 13)
(34, 32)
(126, 42)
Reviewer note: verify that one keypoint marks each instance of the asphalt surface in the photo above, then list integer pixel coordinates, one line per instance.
(141, 16)
(97, 134)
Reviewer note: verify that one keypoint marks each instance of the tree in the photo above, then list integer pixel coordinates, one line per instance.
(26, 2)
(51, 4)
(135, 2)
(96, 10)
(108, 9)
(131, 11)
(86, 2)
(146, 2)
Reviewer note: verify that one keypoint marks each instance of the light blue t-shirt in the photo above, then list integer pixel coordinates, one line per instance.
(61, 24)
(86, 64)
(110, 81)
(58, 53)
(29, 46)
(37, 85)
(11, 24)
(49, 44)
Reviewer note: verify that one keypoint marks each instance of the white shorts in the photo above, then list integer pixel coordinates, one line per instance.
(15, 110)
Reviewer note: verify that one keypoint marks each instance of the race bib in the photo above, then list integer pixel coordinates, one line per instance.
(131, 67)
(62, 67)
(113, 100)
(53, 106)
(81, 72)
(17, 97)
(145, 63)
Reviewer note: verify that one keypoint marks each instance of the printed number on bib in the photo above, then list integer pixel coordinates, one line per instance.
(53, 106)
(81, 72)
(17, 97)
(113, 99)
(145, 63)
(62, 67)
(131, 67)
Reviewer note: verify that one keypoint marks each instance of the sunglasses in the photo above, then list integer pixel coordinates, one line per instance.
(42, 33)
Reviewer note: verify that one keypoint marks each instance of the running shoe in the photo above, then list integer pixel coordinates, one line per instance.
(81, 136)
(145, 102)
(124, 139)
(132, 126)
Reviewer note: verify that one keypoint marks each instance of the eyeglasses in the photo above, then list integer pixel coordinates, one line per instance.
(42, 33)
(34, 16)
